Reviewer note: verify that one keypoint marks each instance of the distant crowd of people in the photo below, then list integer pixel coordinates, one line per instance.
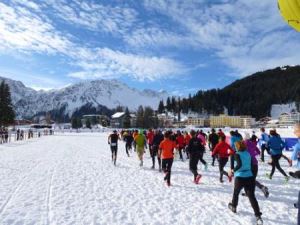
(3, 135)
(21, 134)
(242, 152)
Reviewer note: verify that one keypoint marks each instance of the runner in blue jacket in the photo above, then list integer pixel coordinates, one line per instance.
(276, 146)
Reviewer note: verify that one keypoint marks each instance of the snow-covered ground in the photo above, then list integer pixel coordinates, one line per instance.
(69, 179)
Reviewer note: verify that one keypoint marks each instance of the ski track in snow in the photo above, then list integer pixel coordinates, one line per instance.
(70, 179)
(48, 198)
(15, 190)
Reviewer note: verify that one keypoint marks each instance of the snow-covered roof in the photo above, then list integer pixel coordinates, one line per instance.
(117, 115)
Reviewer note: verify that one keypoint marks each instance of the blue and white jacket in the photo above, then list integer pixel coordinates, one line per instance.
(296, 153)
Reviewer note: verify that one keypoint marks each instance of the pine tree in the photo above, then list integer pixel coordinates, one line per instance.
(168, 106)
(148, 117)
(88, 124)
(119, 108)
(7, 113)
(48, 118)
(161, 107)
(173, 105)
(79, 123)
(74, 123)
(140, 117)
(126, 122)
(179, 110)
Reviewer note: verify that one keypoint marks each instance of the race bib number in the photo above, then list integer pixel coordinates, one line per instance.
(113, 144)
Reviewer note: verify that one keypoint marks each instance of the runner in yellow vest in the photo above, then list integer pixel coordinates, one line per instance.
(141, 144)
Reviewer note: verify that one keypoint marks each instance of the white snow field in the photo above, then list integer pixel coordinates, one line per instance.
(69, 179)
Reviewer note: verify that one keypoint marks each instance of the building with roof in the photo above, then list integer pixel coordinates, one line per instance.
(117, 120)
(288, 119)
(196, 121)
(96, 119)
(231, 121)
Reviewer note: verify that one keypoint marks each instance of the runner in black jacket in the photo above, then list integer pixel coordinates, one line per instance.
(113, 142)
(196, 150)
(157, 139)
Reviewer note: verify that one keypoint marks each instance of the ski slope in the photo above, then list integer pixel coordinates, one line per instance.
(69, 179)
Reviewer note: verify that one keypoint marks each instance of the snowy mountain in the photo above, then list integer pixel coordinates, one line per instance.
(88, 94)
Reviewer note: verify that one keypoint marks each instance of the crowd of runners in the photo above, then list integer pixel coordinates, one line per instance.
(241, 152)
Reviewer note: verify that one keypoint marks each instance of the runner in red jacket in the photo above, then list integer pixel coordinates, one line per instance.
(187, 138)
(150, 137)
(180, 144)
(223, 151)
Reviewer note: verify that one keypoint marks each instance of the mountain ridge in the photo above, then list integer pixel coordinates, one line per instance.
(107, 94)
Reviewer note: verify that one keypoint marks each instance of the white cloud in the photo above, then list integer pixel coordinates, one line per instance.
(29, 4)
(246, 35)
(108, 63)
(149, 37)
(94, 16)
(25, 31)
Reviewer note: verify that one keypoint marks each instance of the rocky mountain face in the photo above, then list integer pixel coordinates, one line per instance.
(88, 96)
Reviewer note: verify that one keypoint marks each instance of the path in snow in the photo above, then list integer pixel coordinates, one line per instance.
(69, 179)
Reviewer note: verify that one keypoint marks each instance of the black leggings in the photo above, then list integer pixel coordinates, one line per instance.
(150, 147)
(262, 152)
(222, 164)
(255, 171)
(275, 163)
(214, 156)
(187, 152)
(248, 183)
(194, 159)
(296, 174)
(180, 152)
(167, 166)
(154, 153)
(201, 159)
(114, 151)
(128, 147)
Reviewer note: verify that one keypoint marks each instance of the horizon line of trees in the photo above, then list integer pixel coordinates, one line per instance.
(253, 95)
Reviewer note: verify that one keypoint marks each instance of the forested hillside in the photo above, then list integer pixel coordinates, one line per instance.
(253, 95)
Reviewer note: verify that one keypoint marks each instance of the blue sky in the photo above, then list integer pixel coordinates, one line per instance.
(179, 46)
